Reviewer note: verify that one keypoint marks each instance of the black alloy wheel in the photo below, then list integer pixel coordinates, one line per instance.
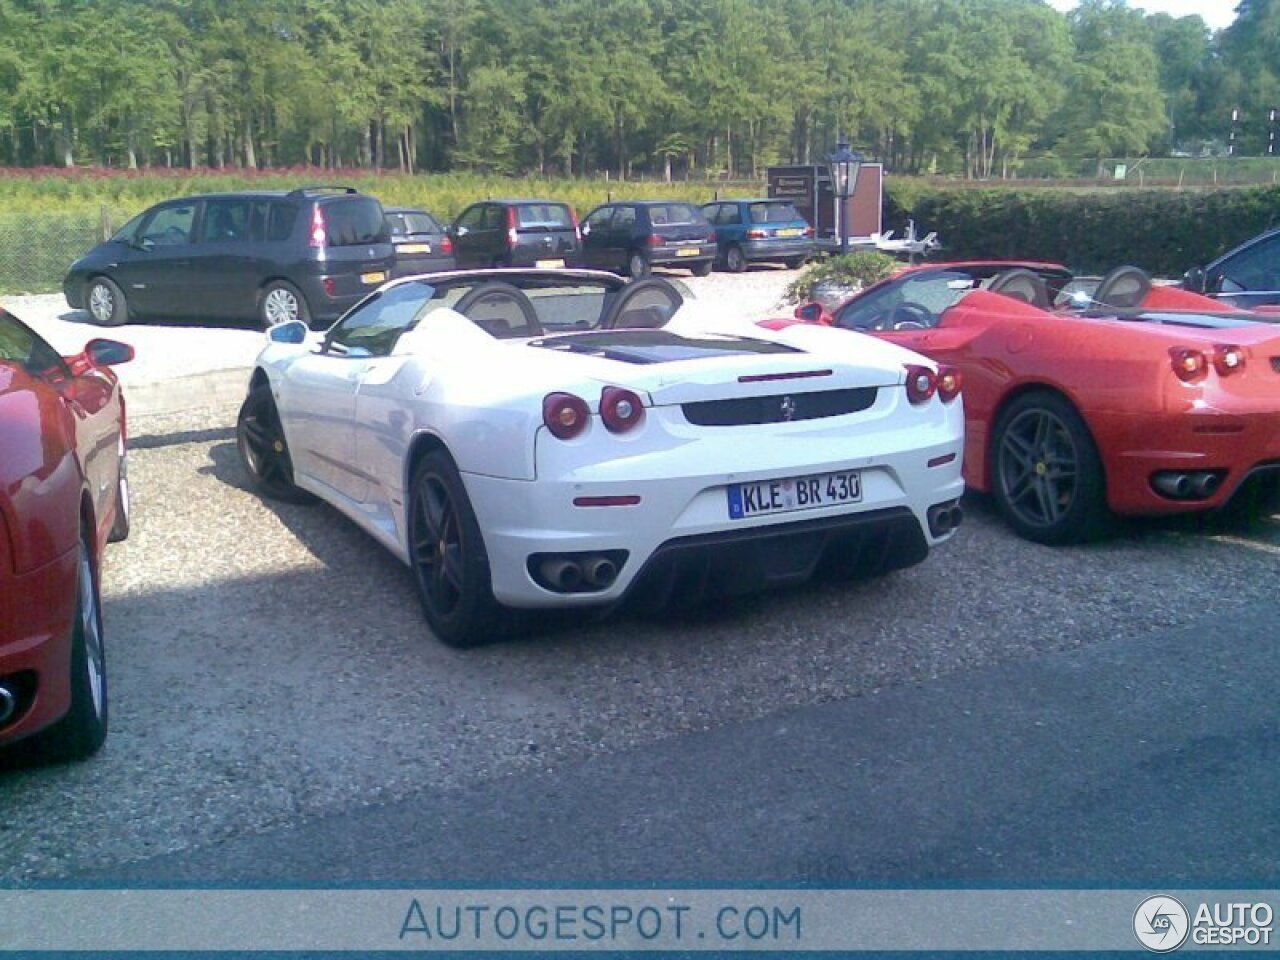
(263, 450)
(450, 564)
(1048, 478)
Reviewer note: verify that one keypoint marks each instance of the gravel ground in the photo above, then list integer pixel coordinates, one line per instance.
(269, 662)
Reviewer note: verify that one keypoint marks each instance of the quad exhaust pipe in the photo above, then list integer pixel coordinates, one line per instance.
(945, 517)
(1191, 485)
(8, 704)
(576, 572)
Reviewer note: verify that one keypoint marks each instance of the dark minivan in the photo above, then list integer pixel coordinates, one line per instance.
(308, 255)
(516, 233)
(633, 236)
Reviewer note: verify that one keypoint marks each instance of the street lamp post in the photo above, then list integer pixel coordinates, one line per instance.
(843, 166)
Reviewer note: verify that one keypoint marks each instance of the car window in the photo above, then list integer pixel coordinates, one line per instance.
(545, 216)
(598, 219)
(226, 221)
(127, 233)
(353, 221)
(931, 292)
(730, 213)
(495, 218)
(1255, 268)
(410, 222)
(773, 213)
(169, 226)
(372, 328)
(19, 344)
(280, 220)
(472, 217)
(626, 217)
(673, 213)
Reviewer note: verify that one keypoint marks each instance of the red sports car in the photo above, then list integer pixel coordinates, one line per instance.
(1121, 397)
(64, 493)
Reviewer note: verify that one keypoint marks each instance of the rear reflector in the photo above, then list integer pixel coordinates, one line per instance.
(768, 377)
(630, 500)
(942, 460)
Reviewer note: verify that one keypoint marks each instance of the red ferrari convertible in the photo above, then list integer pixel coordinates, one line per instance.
(64, 493)
(1086, 400)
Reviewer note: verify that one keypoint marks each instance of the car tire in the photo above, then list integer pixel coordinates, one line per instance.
(637, 265)
(264, 450)
(282, 302)
(83, 730)
(701, 269)
(735, 261)
(106, 303)
(1047, 476)
(450, 563)
(124, 503)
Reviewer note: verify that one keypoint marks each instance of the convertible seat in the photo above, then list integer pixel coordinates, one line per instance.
(1123, 288)
(1022, 284)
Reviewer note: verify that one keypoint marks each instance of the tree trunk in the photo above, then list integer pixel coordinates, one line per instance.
(250, 155)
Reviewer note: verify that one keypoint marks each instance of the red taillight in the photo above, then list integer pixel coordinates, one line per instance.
(621, 410)
(949, 382)
(757, 234)
(330, 288)
(1228, 359)
(711, 238)
(808, 231)
(318, 231)
(1188, 364)
(922, 384)
(654, 240)
(513, 235)
(446, 245)
(565, 415)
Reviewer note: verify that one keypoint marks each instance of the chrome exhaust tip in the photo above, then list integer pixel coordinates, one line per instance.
(600, 572)
(1176, 486)
(561, 574)
(1205, 485)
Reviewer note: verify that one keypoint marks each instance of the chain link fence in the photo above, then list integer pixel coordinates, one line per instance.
(37, 249)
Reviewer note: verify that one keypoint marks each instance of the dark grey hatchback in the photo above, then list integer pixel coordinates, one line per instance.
(308, 255)
(516, 233)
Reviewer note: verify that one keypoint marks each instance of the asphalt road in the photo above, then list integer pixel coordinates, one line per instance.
(275, 690)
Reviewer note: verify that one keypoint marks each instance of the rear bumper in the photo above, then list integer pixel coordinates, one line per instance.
(779, 248)
(669, 255)
(37, 610)
(1136, 447)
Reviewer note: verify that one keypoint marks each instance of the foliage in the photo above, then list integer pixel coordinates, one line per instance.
(671, 88)
(856, 270)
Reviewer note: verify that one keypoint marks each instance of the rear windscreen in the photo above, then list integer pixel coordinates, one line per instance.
(353, 221)
(407, 224)
(674, 213)
(545, 216)
(774, 213)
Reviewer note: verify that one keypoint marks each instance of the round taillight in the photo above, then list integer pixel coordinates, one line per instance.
(922, 384)
(1188, 364)
(1227, 359)
(565, 415)
(949, 382)
(621, 410)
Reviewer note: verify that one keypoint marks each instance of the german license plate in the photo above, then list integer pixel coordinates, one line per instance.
(548, 264)
(790, 232)
(688, 252)
(414, 248)
(375, 276)
(794, 493)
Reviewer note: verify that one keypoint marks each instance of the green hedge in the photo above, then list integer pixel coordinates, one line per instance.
(1163, 231)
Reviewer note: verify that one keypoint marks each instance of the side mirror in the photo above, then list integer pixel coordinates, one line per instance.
(460, 231)
(107, 353)
(1194, 279)
(586, 229)
(294, 331)
(814, 312)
